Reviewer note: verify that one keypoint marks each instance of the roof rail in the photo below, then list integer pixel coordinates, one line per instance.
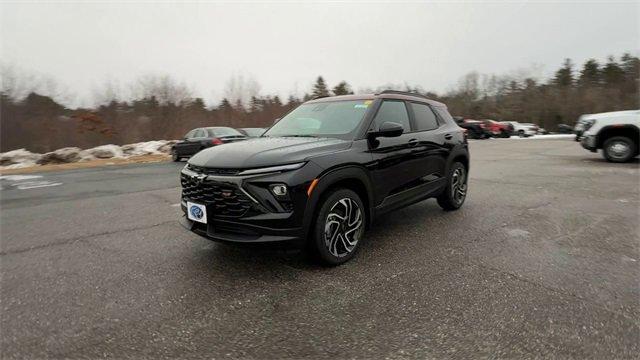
(402, 93)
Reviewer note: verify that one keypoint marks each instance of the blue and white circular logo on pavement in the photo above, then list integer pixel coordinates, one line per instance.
(196, 212)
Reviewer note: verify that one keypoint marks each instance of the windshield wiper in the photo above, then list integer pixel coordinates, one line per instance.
(297, 135)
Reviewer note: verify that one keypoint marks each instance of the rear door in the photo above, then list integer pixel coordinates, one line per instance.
(432, 149)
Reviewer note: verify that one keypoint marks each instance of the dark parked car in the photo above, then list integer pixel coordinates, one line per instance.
(565, 129)
(475, 129)
(202, 138)
(252, 132)
(322, 173)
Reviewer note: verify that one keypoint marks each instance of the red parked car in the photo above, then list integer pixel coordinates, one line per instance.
(497, 129)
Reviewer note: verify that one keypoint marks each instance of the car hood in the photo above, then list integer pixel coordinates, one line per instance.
(266, 151)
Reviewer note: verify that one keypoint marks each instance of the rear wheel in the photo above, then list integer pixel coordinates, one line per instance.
(174, 155)
(455, 193)
(521, 133)
(339, 227)
(619, 149)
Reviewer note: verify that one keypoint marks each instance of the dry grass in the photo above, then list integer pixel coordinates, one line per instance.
(88, 164)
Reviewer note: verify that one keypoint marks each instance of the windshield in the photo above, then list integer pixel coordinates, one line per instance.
(253, 131)
(223, 131)
(337, 119)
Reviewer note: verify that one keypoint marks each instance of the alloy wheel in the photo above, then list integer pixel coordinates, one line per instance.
(343, 227)
(459, 185)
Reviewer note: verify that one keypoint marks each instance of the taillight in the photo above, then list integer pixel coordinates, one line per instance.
(216, 141)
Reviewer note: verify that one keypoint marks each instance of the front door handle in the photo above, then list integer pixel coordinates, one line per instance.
(413, 142)
(448, 136)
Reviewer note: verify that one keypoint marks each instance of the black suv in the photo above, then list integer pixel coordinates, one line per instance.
(323, 172)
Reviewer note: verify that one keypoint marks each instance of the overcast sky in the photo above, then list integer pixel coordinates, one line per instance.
(284, 46)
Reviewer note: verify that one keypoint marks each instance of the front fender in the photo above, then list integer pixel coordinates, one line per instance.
(330, 178)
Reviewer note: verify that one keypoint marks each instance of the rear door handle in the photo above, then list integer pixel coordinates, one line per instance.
(413, 142)
(448, 136)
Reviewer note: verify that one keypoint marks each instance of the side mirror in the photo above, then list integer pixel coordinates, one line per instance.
(388, 129)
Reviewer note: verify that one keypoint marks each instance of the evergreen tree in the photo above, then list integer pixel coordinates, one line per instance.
(612, 73)
(320, 88)
(342, 89)
(292, 100)
(590, 74)
(631, 67)
(197, 104)
(225, 105)
(256, 105)
(564, 76)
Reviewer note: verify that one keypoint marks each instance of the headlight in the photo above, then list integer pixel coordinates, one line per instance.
(588, 124)
(271, 169)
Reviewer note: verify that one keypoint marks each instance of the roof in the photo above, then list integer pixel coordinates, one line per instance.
(387, 94)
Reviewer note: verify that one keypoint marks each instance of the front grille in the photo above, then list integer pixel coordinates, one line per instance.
(213, 171)
(221, 198)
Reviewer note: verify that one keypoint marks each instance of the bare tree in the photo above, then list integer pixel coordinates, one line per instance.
(163, 88)
(239, 89)
(17, 84)
(109, 91)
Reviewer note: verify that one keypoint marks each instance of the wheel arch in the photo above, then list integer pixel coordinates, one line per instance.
(461, 154)
(352, 177)
(630, 131)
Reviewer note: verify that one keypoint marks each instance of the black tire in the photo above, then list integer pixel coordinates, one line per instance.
(521, 133)
(619, 149)
(174, 155)
(455, 192)
(338, 249)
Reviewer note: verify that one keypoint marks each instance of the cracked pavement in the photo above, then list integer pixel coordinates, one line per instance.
(542, 261)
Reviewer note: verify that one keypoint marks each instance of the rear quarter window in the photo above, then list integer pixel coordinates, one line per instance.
(424, 117)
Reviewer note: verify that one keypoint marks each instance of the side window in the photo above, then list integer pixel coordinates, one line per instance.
(190, 134)
(444, 115)
(200, 133)
(393, 111)
(424, 116)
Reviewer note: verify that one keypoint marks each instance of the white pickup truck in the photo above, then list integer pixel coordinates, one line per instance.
(616, 133)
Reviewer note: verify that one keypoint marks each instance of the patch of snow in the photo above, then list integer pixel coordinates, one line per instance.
(545, 137)
(22, 158)
(18, 158)
(106, 152)
(19, 177)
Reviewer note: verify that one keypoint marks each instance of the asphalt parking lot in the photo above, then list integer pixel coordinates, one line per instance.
(542, 261)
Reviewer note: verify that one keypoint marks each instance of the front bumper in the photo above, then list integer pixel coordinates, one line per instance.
(589, 142)
(242, 209)
(228, 231)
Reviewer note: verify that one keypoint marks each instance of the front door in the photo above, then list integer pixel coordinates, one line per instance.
(392, 156)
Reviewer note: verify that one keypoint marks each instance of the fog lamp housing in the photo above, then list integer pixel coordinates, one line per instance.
(279, 190)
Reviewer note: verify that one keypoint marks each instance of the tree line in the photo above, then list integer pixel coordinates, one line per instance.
(159, 107)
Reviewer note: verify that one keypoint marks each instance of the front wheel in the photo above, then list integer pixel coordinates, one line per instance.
(339, 227)
(455, 192)
(619, 149)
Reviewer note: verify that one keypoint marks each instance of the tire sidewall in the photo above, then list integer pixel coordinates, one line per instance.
(629, 142)
(317, 241)
(445, 200)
